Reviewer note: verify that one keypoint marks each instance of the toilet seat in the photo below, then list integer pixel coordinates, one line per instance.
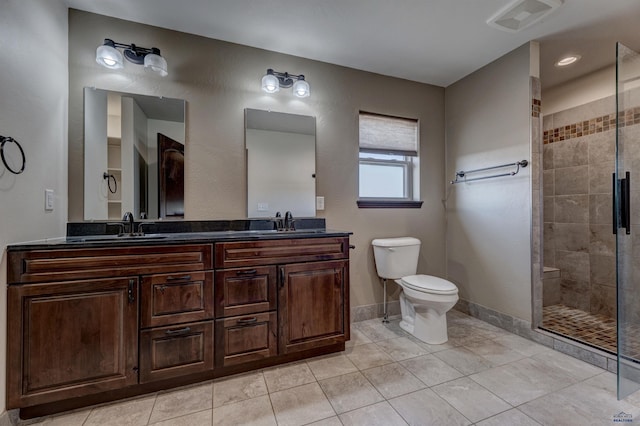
(429, 284)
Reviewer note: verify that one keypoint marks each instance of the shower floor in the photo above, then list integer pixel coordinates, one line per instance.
(592, 329)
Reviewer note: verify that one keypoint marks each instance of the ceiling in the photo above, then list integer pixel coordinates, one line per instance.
(429, 41)
(154, 108)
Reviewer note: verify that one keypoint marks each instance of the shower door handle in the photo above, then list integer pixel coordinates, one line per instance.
(622, 207)
(625, 203)
(614, 203)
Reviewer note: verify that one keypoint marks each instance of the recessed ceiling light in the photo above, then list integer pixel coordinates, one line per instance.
(568, 60)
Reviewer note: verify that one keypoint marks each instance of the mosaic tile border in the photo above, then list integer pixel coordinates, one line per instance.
(536, 107)
(592, 126)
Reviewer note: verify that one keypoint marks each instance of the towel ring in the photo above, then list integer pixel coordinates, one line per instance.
(109, 177)
(6, 139)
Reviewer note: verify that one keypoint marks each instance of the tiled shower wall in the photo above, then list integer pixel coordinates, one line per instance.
(578, 162)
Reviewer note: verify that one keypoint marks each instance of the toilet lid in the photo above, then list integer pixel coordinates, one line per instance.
(429, 284)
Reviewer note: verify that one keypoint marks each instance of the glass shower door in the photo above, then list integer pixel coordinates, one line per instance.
(626, 215)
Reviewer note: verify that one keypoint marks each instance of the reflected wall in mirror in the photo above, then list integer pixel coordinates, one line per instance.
(133, 155)
(281, 163)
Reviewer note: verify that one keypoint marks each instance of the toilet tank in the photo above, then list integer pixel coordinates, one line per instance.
(396, 257)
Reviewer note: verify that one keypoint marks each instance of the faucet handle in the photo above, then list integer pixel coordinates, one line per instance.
(288, 221)
(277, 221)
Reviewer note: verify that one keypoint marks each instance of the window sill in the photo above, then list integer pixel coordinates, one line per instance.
(389, 204)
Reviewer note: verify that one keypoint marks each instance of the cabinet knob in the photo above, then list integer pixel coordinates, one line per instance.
(351, 246)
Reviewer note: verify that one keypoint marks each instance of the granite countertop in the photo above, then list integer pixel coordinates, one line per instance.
(101, 234)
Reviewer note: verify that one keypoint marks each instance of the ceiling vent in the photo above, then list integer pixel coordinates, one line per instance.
(520, 14)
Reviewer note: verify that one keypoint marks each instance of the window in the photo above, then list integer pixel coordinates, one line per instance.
(388, 166)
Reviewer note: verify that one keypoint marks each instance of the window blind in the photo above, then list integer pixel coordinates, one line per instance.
(388, 135)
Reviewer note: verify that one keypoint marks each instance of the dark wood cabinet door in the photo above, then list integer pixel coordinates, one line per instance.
(313, 305)
(167, 352)
(245, 291)
(169, 299)
(246, 338)
(71, 339)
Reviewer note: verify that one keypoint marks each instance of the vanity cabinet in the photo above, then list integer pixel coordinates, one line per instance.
(312, 297)
(69, 339)
(102, 322)
(73, 318)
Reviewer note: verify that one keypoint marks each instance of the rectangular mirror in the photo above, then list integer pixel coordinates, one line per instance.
(281, 163)
(133, 156)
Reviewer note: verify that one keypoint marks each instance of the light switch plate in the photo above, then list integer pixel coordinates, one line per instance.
(48, 200)
(263, 207)
(319, 203)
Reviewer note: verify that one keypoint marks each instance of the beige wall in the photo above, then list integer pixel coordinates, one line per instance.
(580, 91)
(33, 110)
(489, 222)
(219, 80)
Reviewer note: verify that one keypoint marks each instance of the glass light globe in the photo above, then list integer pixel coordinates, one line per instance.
(301, 88)
(270, 83)
(109, 57)
(155, 63)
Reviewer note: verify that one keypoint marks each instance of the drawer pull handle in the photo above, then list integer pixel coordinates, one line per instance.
(351, 246)
(247, 272)
(247, 321)
(181, 278)
(179, 331)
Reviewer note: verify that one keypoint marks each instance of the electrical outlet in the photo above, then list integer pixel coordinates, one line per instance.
(319, 203)
(48, 200)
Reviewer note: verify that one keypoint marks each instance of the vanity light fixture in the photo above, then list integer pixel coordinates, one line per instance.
(110, 57)
(274, 80)
(568, 60)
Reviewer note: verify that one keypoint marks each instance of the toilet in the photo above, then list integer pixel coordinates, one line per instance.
(425, 299)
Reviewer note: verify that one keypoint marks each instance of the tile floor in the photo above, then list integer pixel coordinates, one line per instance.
(593, 329)
(483, 376)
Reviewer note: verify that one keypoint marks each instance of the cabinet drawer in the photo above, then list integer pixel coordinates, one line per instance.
(176, 298)
(245, 291)
(167, 352)
(105, 262)
(272, 252)
(246, 338)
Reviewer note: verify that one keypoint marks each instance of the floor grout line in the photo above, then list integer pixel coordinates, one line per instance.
(464, 326)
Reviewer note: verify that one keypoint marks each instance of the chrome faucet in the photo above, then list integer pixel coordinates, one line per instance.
(128, 219)
(278, 221)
